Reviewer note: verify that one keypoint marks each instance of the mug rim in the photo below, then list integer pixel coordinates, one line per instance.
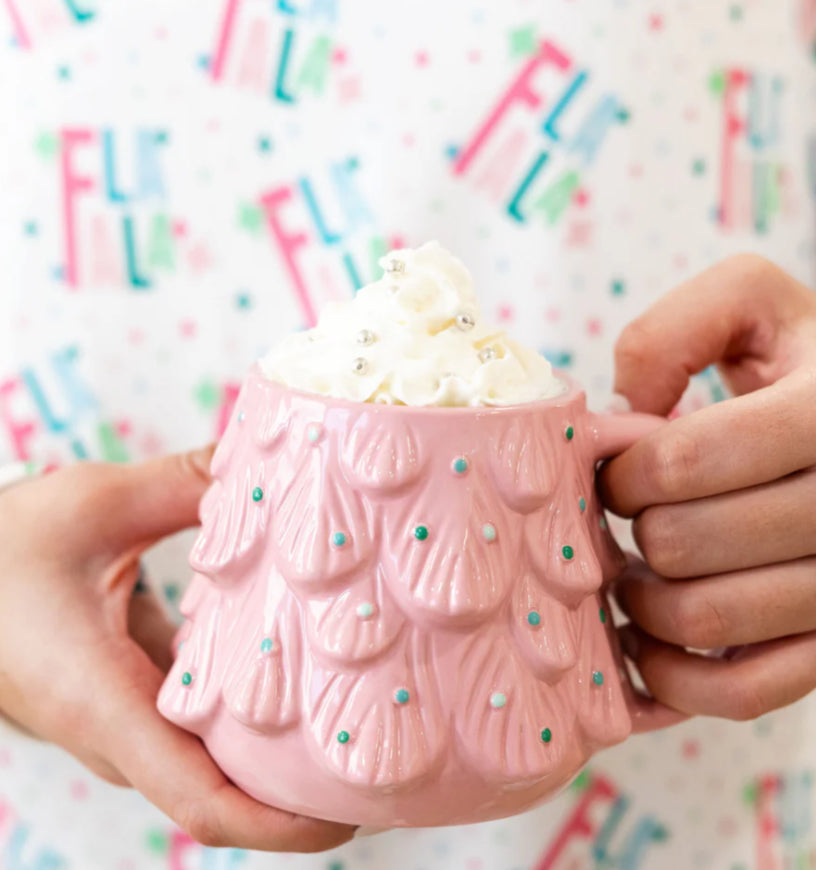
(573, 393)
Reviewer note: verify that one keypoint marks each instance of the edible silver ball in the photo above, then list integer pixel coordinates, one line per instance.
(365, 336)
(486, 354)
(394, 266)
(359, 366)
(465, 320)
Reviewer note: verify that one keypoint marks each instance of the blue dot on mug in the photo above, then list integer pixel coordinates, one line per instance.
(597, 678)
(257, 494)
(582, 504)
(402, 696)
(343, 737)
(339, 539)
(534, 618)
(460, 465)
(266, 645)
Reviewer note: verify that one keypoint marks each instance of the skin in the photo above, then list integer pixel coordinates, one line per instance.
(82, 659)
(722, 499)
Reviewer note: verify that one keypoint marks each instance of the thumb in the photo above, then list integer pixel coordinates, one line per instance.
(731, 311)
(160, 497)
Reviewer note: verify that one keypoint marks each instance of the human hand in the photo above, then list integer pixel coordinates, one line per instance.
(722, 498)
(82, 659)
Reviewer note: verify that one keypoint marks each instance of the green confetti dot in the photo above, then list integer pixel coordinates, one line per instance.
(339, 539)
(266, 645)
(602, 615)
(186, 678)
(243, 301)
(597, 678)
(534, 618)
(618, 287)
(736, 12)
(208, 395)
(546, 735)
(421, 533)
(624, 116)
(157, 841)
(567, 552)
(343, 737)
(569, 433)
(47, 145)
(523, 41)
(257, 494)
(698, 167)
(402, 696)
(716, 82)
(489, 532)
(250, 217)
(582, 781)
(498, 700)
(749, 794)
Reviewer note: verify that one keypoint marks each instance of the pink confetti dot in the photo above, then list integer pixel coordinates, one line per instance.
(594, 326)
(691, 748)
(408, 140)
(5, 758)
(421, 58)
(340, 56)
(505, 313)
(124, 428)
(79, 790)
(552, 315)
(187, 328)
(474, 56)
(135, 336)
(581, 197)
(656, 22)
(179, 228)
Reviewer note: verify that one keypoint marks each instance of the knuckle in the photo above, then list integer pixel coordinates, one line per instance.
(672, 465)
(195, 818)
(656, 535)
(742, 700)
(698, 621)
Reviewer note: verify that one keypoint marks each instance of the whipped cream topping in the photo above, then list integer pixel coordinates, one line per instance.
(415, 337)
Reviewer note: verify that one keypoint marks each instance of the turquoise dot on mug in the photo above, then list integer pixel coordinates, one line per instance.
(339, 539)
(546, 735)
(313, 433)
(567, 552)
(534, 618)
(421, 533)
(365, 610)
(489, 532)
(498, 700)
(186, 678)
(343, 737)
(460, 465)
(257, 494)
(266, 645)
(597, 678)
(402, 696)
(602, 614)
(603, 523)
(582, 504)
(241, 416)
(569, 433)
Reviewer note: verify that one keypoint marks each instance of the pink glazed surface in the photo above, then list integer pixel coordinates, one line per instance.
(472, 671)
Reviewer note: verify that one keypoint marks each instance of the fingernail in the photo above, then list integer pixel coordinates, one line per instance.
(618, 404)
(630, 642)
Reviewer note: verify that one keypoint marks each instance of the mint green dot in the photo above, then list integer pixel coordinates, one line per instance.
(421, 533)
(257, 494)
(569, 433)
(343, 737)
(602, 614)
(266, 645)
(498, 700)
(582, 504)
(365, 610)
(597, 678)
(567, 552)
(546, 735)
(186, 678)
(402, 696)
(534, 618)
(339, 539)
(460, 465)
(157, 841)
(489, 532)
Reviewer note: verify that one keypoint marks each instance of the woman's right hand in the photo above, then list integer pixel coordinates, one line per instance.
(82, 659)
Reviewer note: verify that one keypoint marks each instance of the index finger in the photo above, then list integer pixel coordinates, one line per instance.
(173, 771)
(735, 444)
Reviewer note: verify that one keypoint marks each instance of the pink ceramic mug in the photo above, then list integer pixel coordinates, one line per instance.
(397, 615)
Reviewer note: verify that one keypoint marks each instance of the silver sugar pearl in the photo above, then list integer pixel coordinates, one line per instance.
(394, 266)
(365, 337)
(486, 354)
(465, 321)
(359, 366)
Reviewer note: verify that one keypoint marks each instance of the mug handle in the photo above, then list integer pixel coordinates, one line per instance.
(612, 434)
